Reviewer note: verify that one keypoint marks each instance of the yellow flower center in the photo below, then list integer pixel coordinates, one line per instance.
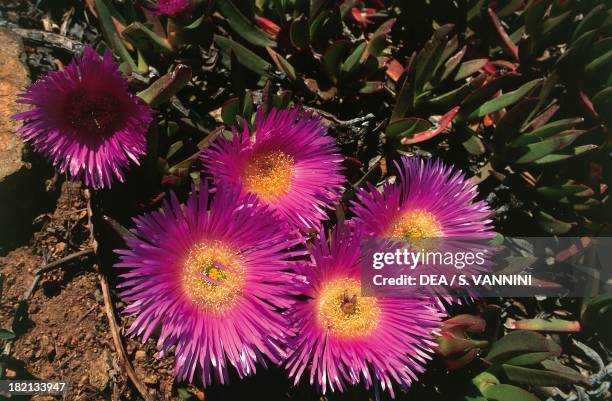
(344, 312)
(269, 175)
(212, 276)
(416, 224)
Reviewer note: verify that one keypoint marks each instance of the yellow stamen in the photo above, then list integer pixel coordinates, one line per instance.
(224, 269)
(416, 224)
(269, 175)
(344, 312)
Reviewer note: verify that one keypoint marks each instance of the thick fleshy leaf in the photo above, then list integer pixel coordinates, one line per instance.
(552, 325)
(546, 131)
(6, 334)
(542, 377)
(166, 86)
(520, 342)
(504, 100)
(507, 392)
(332, 59)
(444, 122)
(537, 150)
(470, 67)
(243, 26)
(282, 64)
(298, 33)
(111, 35)
(145, 39)
(353, 60)
(229, 111)
(553, 225)
(406, 127)
(245, 56)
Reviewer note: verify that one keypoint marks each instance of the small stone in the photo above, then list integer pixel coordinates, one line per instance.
(140, 355)
(151, 380)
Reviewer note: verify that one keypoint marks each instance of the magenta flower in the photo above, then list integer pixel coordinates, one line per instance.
(211, 280)
(430, 200)
(171, 7)
(288, 162)
(342, 338)
(85, 121)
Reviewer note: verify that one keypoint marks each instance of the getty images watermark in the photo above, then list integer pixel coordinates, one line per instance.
(503, 267)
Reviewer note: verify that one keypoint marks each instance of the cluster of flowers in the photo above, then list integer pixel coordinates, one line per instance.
(229, 278)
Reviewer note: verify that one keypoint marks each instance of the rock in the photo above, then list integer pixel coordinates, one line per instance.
(23, 194)
(13, 80)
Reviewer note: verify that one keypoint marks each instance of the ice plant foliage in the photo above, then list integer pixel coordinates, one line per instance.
(212, 280)
(171, 7)
(85, 121)
(289, 162)
(430, 200)
(342, 338)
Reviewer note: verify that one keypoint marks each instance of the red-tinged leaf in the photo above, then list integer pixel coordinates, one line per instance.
(242, 25)
(282, 64)
(406, 127)
(520, 342)
(458, 363)
(394, 70)
(552, 325)
(268, 26)
(505, 41)
(361, 15)
(470, 323)
(425, 135)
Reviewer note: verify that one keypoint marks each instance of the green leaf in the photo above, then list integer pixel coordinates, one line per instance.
(527, 359)
(507, 392)
(429, 56)
(244, 26)
(370, 87)
(480, 95)
(352, 61)
(406, 128)
(333, 58)
(510, 124)
(245, 56)
(6, 334)
(537, 150)
(298, 33)
(561, 191)
(591, 20)
(504, 100)
(229, 111)
(378, 40)
(552, 225)
(166, 86)
(520, 342)
(111, 35)
(598, 63)
(568, 154)
(540, 377)
(546, 131)
(145, 39)
(282, 64)
(534, 14)
(603, 100)
(470, 67)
